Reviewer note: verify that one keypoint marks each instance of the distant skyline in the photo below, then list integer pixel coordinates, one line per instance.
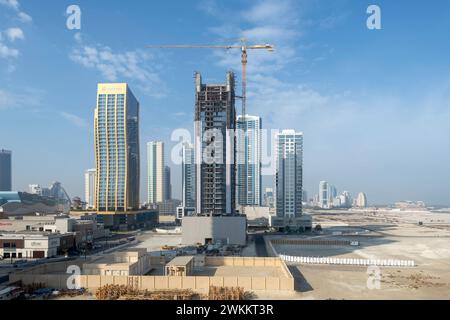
(374, 106)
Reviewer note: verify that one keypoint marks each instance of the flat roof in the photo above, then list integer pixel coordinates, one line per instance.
(180, 261)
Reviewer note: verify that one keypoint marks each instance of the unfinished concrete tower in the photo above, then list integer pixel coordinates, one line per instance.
(215, 143)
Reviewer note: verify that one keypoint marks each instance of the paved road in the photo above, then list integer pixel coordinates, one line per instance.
(260, 246)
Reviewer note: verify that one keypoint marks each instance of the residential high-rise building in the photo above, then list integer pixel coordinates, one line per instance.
(269, 199)
(289, 174)
(332, 193)
(361, 200)
(248, 157)
(89, 188)
(5, 170)
(305, 197)
(346, 200)
(116, 127)
(156, 172)
(216, 219)
(324, 195)
(188, 176)
(215, 123)
(167, 184)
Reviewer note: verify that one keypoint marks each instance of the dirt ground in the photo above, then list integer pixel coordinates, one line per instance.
(382, 235)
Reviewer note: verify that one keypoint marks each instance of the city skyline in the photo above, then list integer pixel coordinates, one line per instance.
(319, 89)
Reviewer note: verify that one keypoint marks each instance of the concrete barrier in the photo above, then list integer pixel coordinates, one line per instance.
(349, 261)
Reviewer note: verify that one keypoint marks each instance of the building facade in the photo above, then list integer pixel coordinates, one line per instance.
(168, 207)
(167, 184)
(89, 188)
(116, 127)
(215, 143)
(289, 181)
(269, 198)
(5, 170)
(361, 200)
(188, 175)
(248, 158)
(29, 245)
(155, 172)
(324, 195)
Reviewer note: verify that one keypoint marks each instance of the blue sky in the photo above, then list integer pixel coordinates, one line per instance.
(373, 105)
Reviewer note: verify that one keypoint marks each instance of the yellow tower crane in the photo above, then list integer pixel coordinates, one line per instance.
(244, 59)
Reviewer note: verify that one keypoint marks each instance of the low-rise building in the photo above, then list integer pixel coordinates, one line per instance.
(122, 263)
(29, 245)
(82, 230)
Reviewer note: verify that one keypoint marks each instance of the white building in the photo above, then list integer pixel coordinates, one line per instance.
(89, 188)
(248, 159)
(289, 181)
(29, 245)
(361, 200)
(35, 189)
(188, 175)
(324, 195)
(155, 172)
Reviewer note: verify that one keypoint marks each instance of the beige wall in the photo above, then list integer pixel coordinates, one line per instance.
(200, 284)
(197, 284)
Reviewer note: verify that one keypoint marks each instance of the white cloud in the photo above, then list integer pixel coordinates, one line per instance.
(14, 34)
(269, 11)
(137, 66)
(74, 119)
(266, 21)
(25, 18)
(7, 52)
(13, 4)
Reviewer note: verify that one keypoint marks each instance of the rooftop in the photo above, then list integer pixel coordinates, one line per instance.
(180, 261)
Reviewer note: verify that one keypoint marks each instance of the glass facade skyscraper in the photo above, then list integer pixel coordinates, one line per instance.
(289, 174)
(155, 172)
(188, 175)
(167, 184)
(116, 126)
(5, 170)
(248, 158)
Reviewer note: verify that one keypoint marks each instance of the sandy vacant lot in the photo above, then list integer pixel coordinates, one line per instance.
(382, 235)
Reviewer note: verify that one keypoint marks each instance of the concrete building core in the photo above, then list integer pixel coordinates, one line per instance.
(215, 142)
(213, 229)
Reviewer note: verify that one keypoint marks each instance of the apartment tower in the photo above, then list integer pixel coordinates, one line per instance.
(156, 172)
(116, 130)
